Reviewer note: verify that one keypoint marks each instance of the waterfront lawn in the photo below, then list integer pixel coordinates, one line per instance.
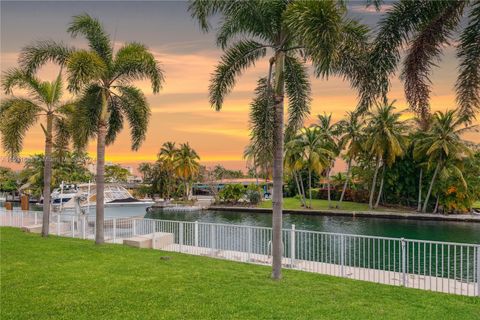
(63, 278)
(476, 204)
(294, 203)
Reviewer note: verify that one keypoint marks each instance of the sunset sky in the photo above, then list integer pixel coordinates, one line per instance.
(181, 112)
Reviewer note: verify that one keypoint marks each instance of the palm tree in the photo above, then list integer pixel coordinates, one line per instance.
(315, 156)
(293, 30)
(351, 140)
(293, 166)
(17, 115)
(385, 141)
(104, 79)
(443, 144)
(187, 166)
(426, 28)
(167, 156)
(328, 135)
(145, 169)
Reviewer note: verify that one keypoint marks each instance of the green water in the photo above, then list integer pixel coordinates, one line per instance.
(467, 232)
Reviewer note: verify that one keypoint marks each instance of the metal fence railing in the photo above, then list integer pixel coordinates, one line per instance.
(429, 265)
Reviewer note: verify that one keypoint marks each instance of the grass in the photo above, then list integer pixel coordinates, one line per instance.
(476, 204)
(294, 203)
(63, 278)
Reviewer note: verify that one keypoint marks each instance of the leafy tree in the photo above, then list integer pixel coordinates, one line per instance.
(8, 180)
(443, 145)
(166, 157)
(385, 142)
(293, 30)
(17, 115)
(187, 166)
(115, 173)
(108, 97)
(146, 170)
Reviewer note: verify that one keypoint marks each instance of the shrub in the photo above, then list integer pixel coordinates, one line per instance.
(254, 194)
(232, 193)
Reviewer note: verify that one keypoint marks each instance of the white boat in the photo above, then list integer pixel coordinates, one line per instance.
(117, 199)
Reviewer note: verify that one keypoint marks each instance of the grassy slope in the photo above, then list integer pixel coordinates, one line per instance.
(292, 203)
(68, 278)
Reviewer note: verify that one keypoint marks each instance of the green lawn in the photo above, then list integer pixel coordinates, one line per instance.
(476, 204)
(62, 278)
(293, 203)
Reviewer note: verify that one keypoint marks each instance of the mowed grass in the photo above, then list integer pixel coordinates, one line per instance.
(476, 204)
(293, 203)
(63, 278)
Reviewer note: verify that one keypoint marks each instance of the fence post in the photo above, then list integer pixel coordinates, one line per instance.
(292, 246)
(35, 217)
(342, 253)
(58, 224)
(114, 221)
(84, 227)
(404, 263)
(478, 271)
(134, 224)
(154, 236)
(249, 243)
(180, 235)
(196, 233)
(73, 226)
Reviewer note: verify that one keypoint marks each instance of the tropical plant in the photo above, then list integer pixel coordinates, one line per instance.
(293, 30)
(115, 173)
(166, 156)
(426, 28)
(187, 166)
(108, 97)
(385, 141)
(443, 144)
(18, 114)
(351, 140)
(232, 193)
(8, 180)
(145, 169)
(328, 136)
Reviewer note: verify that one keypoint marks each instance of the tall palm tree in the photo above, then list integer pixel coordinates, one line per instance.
(187, 166)
(145, 169)
(426, 28)
(351, 140)
(316, 157)
(17, 115)
(386, 140)
(293, 166)
(292, 30)
(328, 136)
(167, 155)
(104, 79)
(443, 144)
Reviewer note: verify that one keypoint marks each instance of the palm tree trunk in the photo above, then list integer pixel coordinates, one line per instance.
(277, 246)
(374, 183)
(328, 188)
(435, 210)
(100, 184)
(346, 183)
(310, 187)
(298, 188)
(425, 203)
(419, 206)
(47, 175)
(381, 188)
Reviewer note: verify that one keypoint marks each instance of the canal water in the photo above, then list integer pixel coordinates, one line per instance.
(466, 232)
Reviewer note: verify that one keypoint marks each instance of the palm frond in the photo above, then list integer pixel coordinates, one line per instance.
(202, 10)
(422, 54)
(86, 115)
(16, 117)
(297, 87)
(237, 58)
(115, 120)
(134, 105)
(18, 78)
(83, 67)
(134, 62)
(39, 53)
(468, 81)
(94, 32)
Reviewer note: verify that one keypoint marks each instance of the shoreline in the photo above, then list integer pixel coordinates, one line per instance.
(367, 214)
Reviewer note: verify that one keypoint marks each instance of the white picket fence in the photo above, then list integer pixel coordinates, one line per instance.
(429, 265)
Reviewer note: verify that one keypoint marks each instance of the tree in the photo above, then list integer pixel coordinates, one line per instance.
(8, 180)
(108, 97)
(166, 156)
(443, 144)
(385, 141)
(17, 115)
(293, 30)
(426, 28)
(351, 140)
(115, 173)
(146, 170)
(328, 135)
(315, 156)
(186, 166)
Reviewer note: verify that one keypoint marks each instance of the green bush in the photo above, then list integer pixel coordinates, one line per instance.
(254, 194)
(232, 193)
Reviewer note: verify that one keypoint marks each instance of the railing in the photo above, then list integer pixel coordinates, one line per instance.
(429, 265)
